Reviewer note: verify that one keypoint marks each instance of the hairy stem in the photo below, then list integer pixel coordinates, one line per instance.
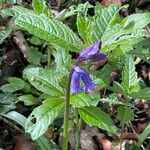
(66, 113)
(78, 132)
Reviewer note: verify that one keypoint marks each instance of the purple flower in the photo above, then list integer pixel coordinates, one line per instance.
(92, 52)
(80, 74)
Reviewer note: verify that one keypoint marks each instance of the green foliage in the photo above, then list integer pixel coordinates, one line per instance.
(84, 25)
(14, 85)
(43, 115)
(6, 102)
(45, 80)
(34, 56)
(4, 34)
(102, 21)
(142, 94)
(35, 40)
(28, 99)
(40, 7)
(94, 116)
(137, 20)
(62, 58)
(125, 115)
(73, 10)
(80, 100)
(130, 81)
(51, 31)
(104, 75)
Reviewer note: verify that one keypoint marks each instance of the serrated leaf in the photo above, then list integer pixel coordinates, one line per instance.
(4, 34)
(19, 10)
(138, 20)
(117, 88)
(51, 31)
(41, 7)
(28, 99)
(14, 85)
(36, 41)
(62, 57)
(104, 74)
(125, 115)
(84, 26)
(34, 57)
(130, 81)
(142, 94)
(103, 21)
(118, 35)
(44, 115)
(45, 80)
(94, 116)
(80, 100)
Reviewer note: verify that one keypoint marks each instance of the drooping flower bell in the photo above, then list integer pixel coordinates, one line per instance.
(92, 53)
(80, 74)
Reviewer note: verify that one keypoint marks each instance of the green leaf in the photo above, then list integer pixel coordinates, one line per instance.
(7, 98)
(80, 100)
(42, 142)
(84, 25)
(118, 35)
(102, 21)
(45, 80)
(73, 10)
(51, 31)
(125, 115)
(104, 74)
(94, 116)
(28, 99)
(143, 135)
(4, 34)
(18, 10)
(138, 20)
(14, 85)
(41, 7)
(35, 40)
(62, 57)
(44, 115)
(6, 102)
(142, 94)
(130, 81)
(34, 56)
(117, 88)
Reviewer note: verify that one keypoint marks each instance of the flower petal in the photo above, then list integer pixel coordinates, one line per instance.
(97, 57)
(89, 85)
(75, 82)
(91, 50)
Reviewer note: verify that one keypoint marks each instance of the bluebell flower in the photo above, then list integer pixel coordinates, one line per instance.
(92, 53)
(80, 74)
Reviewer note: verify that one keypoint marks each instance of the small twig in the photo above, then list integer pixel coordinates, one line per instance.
(21, 42)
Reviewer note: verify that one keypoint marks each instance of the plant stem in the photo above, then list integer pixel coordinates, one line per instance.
(66, 113)
(49, 50)
(121, 137)
(78, 132)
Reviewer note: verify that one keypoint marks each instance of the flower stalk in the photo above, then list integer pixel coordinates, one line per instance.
(66, 113)
(78, 132)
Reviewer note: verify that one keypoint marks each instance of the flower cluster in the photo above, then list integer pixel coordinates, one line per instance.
(92, 54)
